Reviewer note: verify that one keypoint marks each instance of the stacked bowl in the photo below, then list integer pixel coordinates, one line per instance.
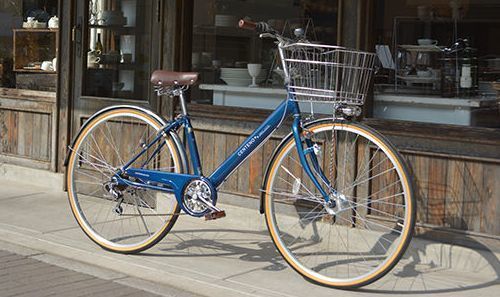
(240, 76)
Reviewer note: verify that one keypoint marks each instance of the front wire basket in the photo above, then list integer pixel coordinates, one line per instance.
(328, 74)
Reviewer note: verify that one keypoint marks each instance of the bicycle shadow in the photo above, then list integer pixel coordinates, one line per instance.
(427, 266)
(440, 267)
(221, 243)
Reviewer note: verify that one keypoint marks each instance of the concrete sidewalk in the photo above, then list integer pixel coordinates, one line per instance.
(233, 256)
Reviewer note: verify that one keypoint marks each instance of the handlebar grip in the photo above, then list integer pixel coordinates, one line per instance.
(247, 25)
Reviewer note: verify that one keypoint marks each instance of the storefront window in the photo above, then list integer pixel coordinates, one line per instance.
(28, 44)
(439, 61)
(226, 55)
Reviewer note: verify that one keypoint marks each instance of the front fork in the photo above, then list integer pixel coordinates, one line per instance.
(315, 173)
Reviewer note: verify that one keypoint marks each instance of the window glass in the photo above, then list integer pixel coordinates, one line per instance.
(439, 61)
(119, 48)
(223, 53)
(28, 44)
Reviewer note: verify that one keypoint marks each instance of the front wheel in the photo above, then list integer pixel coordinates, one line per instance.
(363, 234)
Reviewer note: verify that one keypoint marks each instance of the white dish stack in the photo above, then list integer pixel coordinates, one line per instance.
(240, 76)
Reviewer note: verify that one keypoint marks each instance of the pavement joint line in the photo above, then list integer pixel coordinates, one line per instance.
(259, 288)
(60, 230)
(36, 255)
(22, 196)
(214, 282)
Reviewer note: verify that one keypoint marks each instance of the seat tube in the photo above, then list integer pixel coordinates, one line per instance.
(189, 134)
(297, 131)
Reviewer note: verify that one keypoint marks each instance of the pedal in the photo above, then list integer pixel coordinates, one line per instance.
(215, 215)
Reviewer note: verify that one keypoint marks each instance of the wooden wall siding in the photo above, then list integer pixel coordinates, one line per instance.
(25, 134)
(27, 128)
(215, 147)
(451, 192)
(457, 193)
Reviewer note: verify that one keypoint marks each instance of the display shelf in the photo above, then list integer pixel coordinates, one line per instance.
(36, 30)
(223, 31)
(33, 45)
(125, 30)
(33, 71)
(117, 66)
(446, 20)
(421, 48)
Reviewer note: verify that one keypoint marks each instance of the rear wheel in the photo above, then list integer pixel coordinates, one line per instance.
(363, 235)
(123, 219)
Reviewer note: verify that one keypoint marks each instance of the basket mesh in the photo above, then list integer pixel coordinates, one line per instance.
(322, 73)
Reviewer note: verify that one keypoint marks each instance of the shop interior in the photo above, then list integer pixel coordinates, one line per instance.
(28, 44)
(439, 61)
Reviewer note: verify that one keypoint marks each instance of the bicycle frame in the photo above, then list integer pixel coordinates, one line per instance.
(176, 182)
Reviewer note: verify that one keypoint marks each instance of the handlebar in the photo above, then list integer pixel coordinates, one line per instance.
(259, 27)
(262, 28)
(247, 25)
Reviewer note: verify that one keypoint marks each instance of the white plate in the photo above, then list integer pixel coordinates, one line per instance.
(240, 82)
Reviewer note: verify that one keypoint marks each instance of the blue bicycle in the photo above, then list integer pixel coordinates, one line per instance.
(337, 196)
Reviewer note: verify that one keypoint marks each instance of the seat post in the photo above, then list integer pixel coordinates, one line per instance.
(182, 100)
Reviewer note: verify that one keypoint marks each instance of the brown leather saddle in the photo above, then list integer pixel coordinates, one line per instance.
(166, 78)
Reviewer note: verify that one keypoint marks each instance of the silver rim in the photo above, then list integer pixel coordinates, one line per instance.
(353, 243)
(106, 146)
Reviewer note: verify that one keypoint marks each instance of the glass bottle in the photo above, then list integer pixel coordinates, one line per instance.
(98, 44)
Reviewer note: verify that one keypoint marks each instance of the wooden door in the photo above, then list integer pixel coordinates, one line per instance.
(116, 47)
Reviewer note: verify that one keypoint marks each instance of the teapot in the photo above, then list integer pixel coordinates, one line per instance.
(54, 22)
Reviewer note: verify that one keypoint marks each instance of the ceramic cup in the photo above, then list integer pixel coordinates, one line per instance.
(93, 59)
(126, 58)
(47, 66)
